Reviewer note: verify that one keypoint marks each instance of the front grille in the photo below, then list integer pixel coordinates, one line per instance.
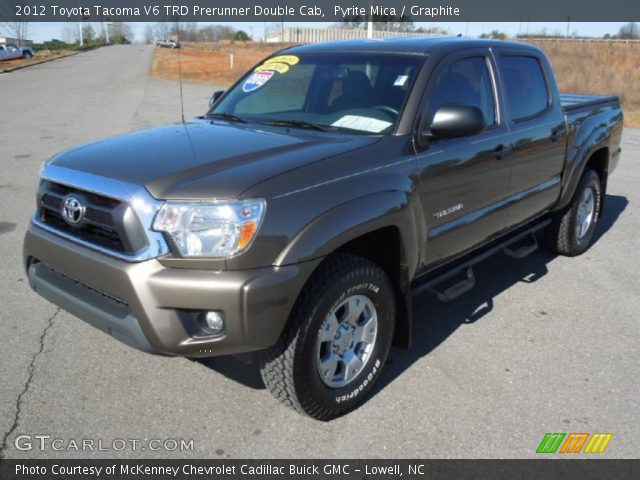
(108, 223)
(93, 215)
(90, 233)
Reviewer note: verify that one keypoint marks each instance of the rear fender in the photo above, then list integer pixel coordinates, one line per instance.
(592, 135)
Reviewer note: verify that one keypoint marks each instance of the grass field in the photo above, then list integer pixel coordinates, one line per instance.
(580, 67)
(210, 63)
(599, 68)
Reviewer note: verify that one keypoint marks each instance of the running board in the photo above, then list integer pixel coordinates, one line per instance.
(523, 250)
(451, 292)
(454, 291)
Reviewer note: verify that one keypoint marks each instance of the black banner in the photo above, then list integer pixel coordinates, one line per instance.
(318, 10)
(320, 469)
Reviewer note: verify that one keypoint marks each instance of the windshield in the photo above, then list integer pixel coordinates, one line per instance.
(361, 93)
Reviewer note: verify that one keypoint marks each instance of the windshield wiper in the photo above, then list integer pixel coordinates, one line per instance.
(227, 116)
(301, 124)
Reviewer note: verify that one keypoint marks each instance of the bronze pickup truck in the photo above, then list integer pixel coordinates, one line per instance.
(298, 217)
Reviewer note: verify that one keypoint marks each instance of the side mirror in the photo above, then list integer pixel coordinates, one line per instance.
(215, 97)
(453, 120)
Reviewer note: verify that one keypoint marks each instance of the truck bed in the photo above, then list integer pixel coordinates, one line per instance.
(573, 102)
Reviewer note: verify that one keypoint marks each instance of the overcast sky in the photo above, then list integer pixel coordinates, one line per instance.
(46, 31)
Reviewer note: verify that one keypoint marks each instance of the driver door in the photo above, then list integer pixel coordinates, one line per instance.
(463, 181)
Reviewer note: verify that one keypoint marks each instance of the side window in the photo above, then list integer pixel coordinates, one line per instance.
(525, 86)
(465, 82)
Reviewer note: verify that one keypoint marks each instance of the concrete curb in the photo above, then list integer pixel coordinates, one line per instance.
(39, 62)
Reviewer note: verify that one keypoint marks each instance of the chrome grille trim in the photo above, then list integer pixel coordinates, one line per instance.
(137, 197)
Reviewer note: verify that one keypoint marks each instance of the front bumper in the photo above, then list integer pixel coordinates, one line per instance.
(151, 307)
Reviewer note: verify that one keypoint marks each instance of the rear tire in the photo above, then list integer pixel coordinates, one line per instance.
(27, 56)
(572, 230)
(336, 341)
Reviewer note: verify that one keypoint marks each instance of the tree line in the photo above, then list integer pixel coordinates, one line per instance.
(192, 32)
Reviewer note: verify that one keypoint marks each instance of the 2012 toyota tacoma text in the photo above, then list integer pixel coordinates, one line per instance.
(320, 192)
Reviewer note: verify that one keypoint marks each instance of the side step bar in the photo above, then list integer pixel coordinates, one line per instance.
(529, 245)
(518, 246)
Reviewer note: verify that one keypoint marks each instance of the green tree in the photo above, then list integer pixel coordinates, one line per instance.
(495, 35)
(241, 36)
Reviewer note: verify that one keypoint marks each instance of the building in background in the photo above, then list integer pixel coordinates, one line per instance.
(15, 41)
(313, 35)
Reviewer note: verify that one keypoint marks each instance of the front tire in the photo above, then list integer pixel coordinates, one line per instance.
(571, 232)
(336, 341)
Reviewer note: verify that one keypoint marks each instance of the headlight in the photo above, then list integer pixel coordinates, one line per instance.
(220, 228)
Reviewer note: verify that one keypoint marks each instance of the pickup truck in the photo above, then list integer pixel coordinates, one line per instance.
(11, 52)
(325, 188)
(167, 43)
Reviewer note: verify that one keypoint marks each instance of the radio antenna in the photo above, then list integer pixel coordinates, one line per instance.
(179, 47)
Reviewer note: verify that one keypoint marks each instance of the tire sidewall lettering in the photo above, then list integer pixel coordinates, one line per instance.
(360, 388)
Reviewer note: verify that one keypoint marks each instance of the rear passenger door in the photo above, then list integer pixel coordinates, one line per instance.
(538, 134)
(463, 181)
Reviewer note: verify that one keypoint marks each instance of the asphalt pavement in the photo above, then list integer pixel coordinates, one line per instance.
(545, 344)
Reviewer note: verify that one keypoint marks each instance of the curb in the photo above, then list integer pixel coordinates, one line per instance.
(38, 62)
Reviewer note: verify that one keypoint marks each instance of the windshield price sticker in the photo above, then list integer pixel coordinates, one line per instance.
(400, 81)
(280, 64)
(278, 67)
(366, 124)
(257, 80)
(288, 59)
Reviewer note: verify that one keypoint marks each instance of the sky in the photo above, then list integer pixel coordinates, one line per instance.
(46, 31)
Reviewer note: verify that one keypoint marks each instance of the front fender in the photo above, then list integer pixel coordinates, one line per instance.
(353, 219)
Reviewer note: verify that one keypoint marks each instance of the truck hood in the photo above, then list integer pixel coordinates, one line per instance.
(201, 159)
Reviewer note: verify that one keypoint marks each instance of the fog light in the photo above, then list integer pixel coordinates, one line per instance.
(214, 322)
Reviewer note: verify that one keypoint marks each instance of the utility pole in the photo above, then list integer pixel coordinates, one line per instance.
(568, 23)
(80, 26)
(106, 30)
(520, 26)
(370, 22)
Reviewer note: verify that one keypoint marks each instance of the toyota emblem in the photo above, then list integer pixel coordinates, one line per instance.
(73, 210)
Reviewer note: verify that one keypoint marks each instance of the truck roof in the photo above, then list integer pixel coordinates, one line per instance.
(405, 45)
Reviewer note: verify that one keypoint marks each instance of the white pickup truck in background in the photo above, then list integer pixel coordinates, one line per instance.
(11, 52)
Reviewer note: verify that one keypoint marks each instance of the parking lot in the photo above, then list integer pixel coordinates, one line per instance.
(546, 344)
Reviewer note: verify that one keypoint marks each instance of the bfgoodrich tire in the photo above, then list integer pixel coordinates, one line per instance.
(572, 230)
(336, 340)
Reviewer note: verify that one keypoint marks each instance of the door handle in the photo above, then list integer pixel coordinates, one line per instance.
(555, 135)
(502, 151)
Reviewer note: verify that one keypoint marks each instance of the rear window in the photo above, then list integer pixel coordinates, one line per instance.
(525, 86)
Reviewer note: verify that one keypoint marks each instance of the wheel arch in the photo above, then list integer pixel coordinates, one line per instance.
(599, 162)
(588, 150)
(381, 227)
